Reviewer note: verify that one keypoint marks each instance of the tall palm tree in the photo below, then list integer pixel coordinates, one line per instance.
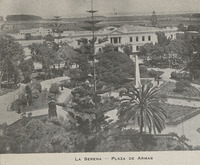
(142, 106)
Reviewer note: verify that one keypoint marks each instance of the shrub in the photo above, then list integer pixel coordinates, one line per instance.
(37, 86)
(182, 75)
(35, 93)
(143, 69)
(69, 84)
(173, 75)
(54, 89)
(153, 73)
(181, 85)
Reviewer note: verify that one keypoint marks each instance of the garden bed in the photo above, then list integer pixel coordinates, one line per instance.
(4, 91)
(168, 89)
(39, 103)
(177, 113)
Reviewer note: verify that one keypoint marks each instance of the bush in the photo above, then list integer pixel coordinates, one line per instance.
(54, 89)
(173, 75)
(35, 93)
(182, 75)
(143, 69)
(37, 86)
(154, 73)
(181, 85)
(68, 84)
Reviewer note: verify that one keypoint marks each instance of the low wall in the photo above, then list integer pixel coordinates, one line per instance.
(184, 118)
(184, 98)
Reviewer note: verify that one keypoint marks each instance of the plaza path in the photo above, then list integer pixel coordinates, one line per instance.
(10, 117)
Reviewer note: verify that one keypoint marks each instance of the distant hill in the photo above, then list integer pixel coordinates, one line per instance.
(23, 17)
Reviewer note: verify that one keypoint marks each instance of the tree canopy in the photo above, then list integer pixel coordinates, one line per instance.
(43, 54)
(114, 67)
(11, 53)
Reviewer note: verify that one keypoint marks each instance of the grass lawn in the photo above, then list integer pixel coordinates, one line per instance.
(39, 103)
(176, 111)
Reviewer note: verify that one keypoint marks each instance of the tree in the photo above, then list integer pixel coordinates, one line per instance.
(142, 106)
(181, 27)
(127, 49)
(27, 68)
(194, 66)
(28, 36)
(49, 38)
(154, 19)
(108, 48)
(43, 54)
(114, 67)
(11, 53)
(146, 51)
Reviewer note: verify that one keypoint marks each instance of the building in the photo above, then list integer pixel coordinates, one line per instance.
(191, 35)
(36, 32)
(136, 36)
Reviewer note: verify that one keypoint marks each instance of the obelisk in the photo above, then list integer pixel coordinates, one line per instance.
(137, 82)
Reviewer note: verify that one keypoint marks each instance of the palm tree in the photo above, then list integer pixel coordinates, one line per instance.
(142, 106)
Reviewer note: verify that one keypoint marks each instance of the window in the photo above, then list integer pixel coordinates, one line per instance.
(143, 38)
(119, 39)
(149, 38)
(137, 48)
(115, 40)
(131, 39)
(171, 36)
(137, 38)
(111, 40)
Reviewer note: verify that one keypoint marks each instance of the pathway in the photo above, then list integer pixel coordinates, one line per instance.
(10, 117)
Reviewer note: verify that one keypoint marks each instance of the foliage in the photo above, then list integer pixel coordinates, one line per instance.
(54, 89)
(117, 140)
(114, 67)
(143, 69)
(127, 49)
(43, 54)
(194, 66)
(28, 36)
(11, 53)
(142, 106)
(36, 85)
(49, 38)
(168, 89)
(178, 76)
(27, 68)
(166, 51)
(28, 95)
(154, 73)
(46, 136)
(108, 48)
(181, 85)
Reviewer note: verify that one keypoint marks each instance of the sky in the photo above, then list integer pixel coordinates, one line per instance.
(77, 8)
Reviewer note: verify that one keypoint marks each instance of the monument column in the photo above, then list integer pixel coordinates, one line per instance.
(137, 81)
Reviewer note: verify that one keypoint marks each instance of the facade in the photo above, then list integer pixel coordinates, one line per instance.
(136, 36)
(36, 32)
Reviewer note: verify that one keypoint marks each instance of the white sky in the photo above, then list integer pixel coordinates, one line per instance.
(72, 8)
